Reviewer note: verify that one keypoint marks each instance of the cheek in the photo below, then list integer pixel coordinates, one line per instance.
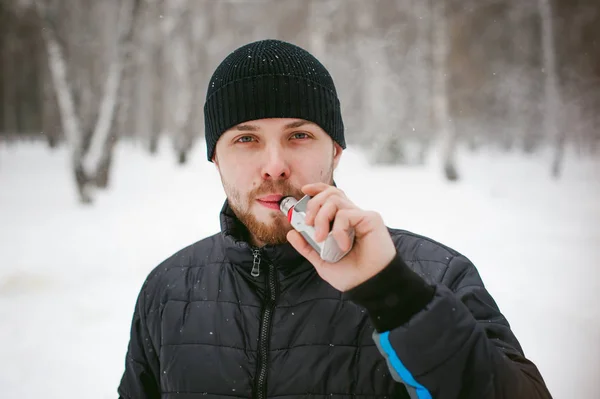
(236, 173)
(240, 179)
(314, 168)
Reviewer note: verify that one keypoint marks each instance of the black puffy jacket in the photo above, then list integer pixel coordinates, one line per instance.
(221, 319)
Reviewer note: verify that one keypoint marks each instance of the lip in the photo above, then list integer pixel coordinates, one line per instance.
(271, 198)
(270, 201)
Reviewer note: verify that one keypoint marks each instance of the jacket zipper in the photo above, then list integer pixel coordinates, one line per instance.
(256, 263)
(265, 333)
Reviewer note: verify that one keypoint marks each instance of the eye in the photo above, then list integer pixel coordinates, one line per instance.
(300, 136)
(244, 139)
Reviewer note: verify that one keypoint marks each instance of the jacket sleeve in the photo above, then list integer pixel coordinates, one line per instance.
(448, 340)
(140, 378)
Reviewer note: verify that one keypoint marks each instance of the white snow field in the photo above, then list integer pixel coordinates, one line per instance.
(69, 274)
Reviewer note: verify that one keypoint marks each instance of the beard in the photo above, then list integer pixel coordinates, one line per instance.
(275, 231)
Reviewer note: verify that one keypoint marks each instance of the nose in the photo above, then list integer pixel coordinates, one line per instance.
(275, 165)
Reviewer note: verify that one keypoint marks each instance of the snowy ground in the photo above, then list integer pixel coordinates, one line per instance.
(69, 274)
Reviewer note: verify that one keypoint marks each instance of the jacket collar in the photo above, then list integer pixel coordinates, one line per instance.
(239, 251)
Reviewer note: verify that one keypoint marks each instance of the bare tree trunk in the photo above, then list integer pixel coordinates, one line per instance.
(50, 124)
(145, 79)
(201, 64)
(379, 91)
(445, 125)
(158, 65)
(594, 131)
(421, 12)
(176, 30)
(552, 126)
(166, 78)
(94, 139)
(120, 123)
(180, 53)
(64, 95)
(516, 83)
(50, 121)
(156, 116)
(388, 148)
(10, 112)
(523, 80)
(103, 125)
(104, 136)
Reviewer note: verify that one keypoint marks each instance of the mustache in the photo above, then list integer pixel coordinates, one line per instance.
(284, 187)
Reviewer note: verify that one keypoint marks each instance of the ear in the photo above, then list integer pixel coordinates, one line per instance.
(337, 154)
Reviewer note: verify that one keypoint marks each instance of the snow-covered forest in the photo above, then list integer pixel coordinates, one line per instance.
(518, 75)
(476, 123)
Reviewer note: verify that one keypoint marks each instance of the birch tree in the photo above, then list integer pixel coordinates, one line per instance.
(7, 67)
(421, 87)
(522, 71)
(147, 92)
(100, 154)
(385, 93)
(552, 108)
(443, 122)
(181, 73)
(87, 170)
(71, 123)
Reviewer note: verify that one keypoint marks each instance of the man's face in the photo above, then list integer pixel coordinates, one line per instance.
(263, 160)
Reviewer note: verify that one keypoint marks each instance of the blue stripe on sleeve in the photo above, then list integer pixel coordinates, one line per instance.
(386, 346)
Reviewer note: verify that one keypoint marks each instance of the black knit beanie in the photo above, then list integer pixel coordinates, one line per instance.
(270, 79)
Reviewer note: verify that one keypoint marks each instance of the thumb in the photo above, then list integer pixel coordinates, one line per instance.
(303, 247)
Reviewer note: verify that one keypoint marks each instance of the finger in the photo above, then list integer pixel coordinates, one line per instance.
(363, 222)
(327, 213)
(314, 205)
(299, 243)
(345, 220)
(317, 201)
(323, 219)
(319, 188)
(342, 226)
(313, 189)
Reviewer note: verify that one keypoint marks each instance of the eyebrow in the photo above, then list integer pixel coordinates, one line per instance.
(254, 128)
(246, 128)
(296, 124)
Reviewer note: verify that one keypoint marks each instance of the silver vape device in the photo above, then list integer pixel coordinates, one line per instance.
(296, 212)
